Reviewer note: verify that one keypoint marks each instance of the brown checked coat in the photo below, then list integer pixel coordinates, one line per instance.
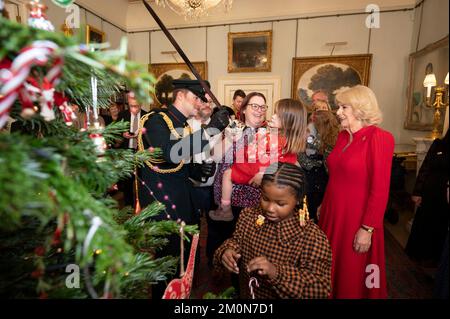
(302, 256)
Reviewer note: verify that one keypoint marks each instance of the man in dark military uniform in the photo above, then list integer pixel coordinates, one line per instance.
(166, 178)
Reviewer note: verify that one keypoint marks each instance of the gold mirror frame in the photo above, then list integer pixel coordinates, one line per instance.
(419, 61)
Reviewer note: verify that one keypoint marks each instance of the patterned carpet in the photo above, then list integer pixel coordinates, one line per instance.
(406, 280)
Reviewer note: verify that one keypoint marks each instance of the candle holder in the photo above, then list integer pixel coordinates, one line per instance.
(440, 102)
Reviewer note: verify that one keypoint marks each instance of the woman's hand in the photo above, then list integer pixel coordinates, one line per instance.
(417, 200)
(318, 212)
(230, 259)
(127, 135)
(362, 241)
(263, 266)
(256, 180)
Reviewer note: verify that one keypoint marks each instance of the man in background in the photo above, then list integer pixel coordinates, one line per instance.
(133, 116)
(238, 97)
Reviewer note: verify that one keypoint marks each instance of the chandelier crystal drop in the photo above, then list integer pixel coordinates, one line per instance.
(194, 9)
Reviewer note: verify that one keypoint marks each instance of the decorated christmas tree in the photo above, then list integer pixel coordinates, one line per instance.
(61, 234)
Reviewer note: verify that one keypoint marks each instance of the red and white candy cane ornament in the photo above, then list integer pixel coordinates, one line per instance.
(12, 80)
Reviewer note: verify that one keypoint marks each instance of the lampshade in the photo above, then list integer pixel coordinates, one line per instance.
(446, 79)
(430, 80)
(193, 8)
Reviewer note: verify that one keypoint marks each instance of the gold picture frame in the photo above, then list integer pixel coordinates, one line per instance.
(94, 35)
(431, 59)
(250, 51)
(328, 74)
(165, 73)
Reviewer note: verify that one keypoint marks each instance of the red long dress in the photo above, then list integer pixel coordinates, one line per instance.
(357, 193)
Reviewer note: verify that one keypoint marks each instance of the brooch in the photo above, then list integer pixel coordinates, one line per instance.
(260, 220)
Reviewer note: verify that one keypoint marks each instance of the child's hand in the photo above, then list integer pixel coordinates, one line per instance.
(230, 259)
(263, 266)
(274, 122)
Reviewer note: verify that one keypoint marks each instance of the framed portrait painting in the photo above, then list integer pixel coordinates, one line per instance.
(327, 75)
(431, 59)
(165, 73)
(250, 51)
(94, 35)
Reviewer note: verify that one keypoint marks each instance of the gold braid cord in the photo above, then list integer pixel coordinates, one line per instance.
(158, 161)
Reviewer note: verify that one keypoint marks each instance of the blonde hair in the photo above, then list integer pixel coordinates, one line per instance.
(364, 104)
(293, 118)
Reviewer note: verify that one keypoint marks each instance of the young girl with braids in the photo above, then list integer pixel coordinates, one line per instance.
(281, 142)
(277, 244)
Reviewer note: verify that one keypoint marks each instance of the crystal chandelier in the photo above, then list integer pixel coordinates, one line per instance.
(193, 9)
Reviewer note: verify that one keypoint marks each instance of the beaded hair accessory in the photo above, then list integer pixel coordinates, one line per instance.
(260, 220)
(303, 213)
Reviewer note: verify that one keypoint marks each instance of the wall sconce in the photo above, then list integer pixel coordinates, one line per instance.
(439, 103)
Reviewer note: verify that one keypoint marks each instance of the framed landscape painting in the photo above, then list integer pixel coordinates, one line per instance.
(328, 75)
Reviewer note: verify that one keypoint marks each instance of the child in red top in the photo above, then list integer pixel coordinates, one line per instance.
(281, 142)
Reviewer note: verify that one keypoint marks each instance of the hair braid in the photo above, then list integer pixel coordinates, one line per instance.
(286, 174)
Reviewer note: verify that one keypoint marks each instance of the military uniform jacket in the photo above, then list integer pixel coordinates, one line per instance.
(168, 181)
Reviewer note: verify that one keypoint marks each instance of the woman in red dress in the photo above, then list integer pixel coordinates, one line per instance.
(352, 211)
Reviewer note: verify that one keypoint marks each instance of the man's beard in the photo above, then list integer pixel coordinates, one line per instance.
(203, 116)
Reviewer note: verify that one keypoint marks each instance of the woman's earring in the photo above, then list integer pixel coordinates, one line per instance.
(303, 213)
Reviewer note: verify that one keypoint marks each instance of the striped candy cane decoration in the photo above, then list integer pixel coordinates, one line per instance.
(12, 80)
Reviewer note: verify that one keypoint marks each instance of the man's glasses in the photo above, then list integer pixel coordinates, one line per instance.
(255, 107)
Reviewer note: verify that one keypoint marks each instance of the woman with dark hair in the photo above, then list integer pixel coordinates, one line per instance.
(114, 111)
(254, 117)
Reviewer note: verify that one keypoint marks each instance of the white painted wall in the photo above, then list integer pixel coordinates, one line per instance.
(112, 10)
(390, 46)
(113, 34)
(435, 22)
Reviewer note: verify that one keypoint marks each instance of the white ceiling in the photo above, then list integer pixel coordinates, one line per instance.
(132, 15)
